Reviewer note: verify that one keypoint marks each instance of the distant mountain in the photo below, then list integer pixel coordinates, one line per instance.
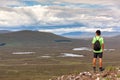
(78, 35)
(31, 38)
(88, 34)
(4, 31)
(113, 42)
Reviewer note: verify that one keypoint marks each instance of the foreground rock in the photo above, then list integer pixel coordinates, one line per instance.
(109, 74)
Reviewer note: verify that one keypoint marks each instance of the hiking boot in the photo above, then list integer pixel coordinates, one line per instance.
(94, 69)
(101, 69)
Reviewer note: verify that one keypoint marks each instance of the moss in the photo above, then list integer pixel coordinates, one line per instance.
(110, 68)
(118, 76)
(106, 79)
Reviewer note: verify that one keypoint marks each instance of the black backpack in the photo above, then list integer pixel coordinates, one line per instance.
(97, 45)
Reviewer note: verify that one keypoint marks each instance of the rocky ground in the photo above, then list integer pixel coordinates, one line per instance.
(111, 73)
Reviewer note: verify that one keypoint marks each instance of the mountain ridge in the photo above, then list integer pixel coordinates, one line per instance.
(31, 38)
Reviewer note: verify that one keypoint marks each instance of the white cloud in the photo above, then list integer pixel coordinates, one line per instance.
(101, 2)
(19, 16)
(76, 29)
(7, 3)
(38, 15)
(13, 18)
(103, 18)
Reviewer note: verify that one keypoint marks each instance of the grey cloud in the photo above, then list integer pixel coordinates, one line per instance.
(7, 3)
(57, 15)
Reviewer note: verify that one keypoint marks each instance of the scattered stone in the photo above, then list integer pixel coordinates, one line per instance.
(105, 75)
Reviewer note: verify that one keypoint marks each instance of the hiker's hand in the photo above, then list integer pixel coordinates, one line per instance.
(102, 50)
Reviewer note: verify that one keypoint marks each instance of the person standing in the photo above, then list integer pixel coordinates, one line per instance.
(98, 48)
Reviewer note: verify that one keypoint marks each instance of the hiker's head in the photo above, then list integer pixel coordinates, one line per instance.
(98, 32)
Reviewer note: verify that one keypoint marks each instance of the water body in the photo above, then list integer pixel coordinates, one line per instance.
(109, 49)
(82, 49)
(2, 44)
(63, 41)
(23, 52)
(70, 55)
(89, 49)
(46, 56)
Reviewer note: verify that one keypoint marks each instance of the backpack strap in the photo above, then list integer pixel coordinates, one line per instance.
(96, 38)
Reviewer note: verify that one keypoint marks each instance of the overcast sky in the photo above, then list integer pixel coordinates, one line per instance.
(60, 16)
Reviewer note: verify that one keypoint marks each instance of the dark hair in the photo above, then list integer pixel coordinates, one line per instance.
(98, 32)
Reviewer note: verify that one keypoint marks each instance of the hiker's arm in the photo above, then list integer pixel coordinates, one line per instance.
(93, 43)
(103, 47)
(92, 46)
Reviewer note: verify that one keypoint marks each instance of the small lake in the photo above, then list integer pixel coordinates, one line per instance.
(70, 55)
(23, 52)
(109, 49)
(82, 49)
(89, 49)
(46, 56)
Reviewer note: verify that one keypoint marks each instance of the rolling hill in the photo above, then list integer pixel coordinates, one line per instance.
(29, 38)
(34, 38)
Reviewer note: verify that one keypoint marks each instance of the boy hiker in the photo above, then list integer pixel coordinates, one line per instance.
(98, 48)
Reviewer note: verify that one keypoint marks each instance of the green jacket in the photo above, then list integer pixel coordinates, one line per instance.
(101, 40)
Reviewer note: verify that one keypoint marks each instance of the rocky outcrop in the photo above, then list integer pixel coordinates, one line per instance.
(108, 74)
